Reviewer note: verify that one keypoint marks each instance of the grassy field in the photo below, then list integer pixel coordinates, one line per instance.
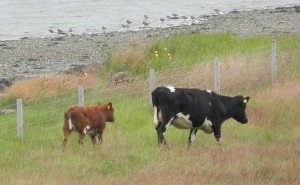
(265, 151)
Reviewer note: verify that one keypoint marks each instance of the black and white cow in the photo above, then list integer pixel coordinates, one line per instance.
(195, 109)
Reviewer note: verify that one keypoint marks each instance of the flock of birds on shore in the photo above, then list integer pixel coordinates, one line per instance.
(145, 22)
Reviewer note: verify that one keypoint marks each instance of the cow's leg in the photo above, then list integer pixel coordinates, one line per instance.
(158, 135)
(81, 138)
(161, 130)
(217, 133)
(192, 136)
(67, 133)
(161, 139)
(159, 126)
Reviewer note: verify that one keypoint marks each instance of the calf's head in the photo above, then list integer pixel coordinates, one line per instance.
(108, 111)
(239, 111)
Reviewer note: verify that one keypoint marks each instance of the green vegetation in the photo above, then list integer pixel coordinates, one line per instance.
(265, 151)
(187, 50)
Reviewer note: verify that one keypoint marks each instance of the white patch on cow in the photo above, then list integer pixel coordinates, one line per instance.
(193, 136)
(209, 103)
(207, 126)
(209, 91)
(167, 126)
(70, 124)
(86, 129)
(155, 119)
(171, 88)
(182, 121)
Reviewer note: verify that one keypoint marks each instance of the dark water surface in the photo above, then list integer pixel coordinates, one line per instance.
(33, 18)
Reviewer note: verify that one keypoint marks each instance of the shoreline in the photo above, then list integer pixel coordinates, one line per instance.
(34, 57)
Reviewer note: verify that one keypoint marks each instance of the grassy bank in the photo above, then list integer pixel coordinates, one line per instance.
(265, 151)
(187, 50)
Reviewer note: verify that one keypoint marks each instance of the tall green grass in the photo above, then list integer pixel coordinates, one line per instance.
(187, 50)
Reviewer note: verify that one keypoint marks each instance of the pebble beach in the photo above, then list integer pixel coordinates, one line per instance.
(67, 53)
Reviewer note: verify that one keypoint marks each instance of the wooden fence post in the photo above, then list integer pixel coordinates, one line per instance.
(217, 72)
(151, 83)
(20, 131)
(273, 61)
(80, 95)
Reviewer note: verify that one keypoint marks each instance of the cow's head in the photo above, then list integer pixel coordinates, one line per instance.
(239, 111)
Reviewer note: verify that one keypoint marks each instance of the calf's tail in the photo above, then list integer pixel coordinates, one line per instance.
(68, 120)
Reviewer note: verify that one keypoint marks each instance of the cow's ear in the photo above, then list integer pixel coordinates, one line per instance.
(246, 99)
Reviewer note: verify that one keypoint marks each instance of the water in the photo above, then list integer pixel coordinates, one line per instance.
(33, 18)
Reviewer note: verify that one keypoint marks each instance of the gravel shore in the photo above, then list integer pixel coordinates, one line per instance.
(31, 57)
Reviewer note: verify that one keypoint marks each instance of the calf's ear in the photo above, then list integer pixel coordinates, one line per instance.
(109, 106)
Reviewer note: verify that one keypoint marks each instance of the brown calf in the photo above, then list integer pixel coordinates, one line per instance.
(87, 120)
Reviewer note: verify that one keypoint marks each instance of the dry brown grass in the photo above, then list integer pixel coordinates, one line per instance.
(238, 165)
(251, 164)
(281, 94)
(132, 57)
(283, 90)
(47, 86)
(237, 74)
(244, 72)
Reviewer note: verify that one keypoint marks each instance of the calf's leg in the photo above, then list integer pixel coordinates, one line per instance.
(100, 137)
(67, 133)
(81, 138)
(94, 140)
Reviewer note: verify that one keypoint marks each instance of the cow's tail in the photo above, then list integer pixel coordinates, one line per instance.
(218, 103)
(154, 98)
